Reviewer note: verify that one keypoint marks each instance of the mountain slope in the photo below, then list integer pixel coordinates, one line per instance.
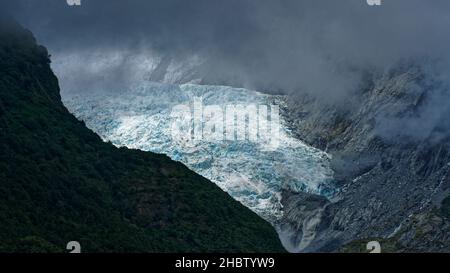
(59, 182)
(252, 172)
(391, 159)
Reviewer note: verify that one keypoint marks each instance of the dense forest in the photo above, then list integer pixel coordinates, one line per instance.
(60, 182)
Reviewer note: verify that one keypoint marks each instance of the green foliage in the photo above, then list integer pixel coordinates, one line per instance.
(59, 182)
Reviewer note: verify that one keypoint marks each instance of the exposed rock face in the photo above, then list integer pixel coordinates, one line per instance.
(389, 171)
(390, 180)
(304, 216)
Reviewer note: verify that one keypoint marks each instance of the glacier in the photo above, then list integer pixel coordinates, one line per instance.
(140, 118)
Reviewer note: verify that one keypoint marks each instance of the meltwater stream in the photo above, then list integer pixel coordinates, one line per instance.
(140, 118)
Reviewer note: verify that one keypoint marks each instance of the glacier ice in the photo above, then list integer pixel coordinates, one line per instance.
(140, 118)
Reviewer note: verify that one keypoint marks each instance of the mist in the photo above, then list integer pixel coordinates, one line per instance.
(318, 47)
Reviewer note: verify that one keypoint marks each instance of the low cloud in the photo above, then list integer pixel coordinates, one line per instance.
(320, 47)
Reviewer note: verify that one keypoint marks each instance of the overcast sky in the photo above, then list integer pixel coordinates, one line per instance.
(314, 45)
(322, 47)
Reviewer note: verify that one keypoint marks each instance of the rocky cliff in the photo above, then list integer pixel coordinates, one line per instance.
(391, 165)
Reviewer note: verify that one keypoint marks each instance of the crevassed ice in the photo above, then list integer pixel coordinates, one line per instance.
(140, 118)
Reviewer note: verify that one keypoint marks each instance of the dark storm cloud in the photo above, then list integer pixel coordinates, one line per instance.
(101, 29)
(165, 24)
(311, 44)
(323, 47)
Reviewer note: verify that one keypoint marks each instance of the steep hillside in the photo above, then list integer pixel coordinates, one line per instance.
(59, 182)
(391, 157)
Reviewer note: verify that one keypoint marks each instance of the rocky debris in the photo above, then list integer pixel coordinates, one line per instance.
(304, 216)
(386, 176)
